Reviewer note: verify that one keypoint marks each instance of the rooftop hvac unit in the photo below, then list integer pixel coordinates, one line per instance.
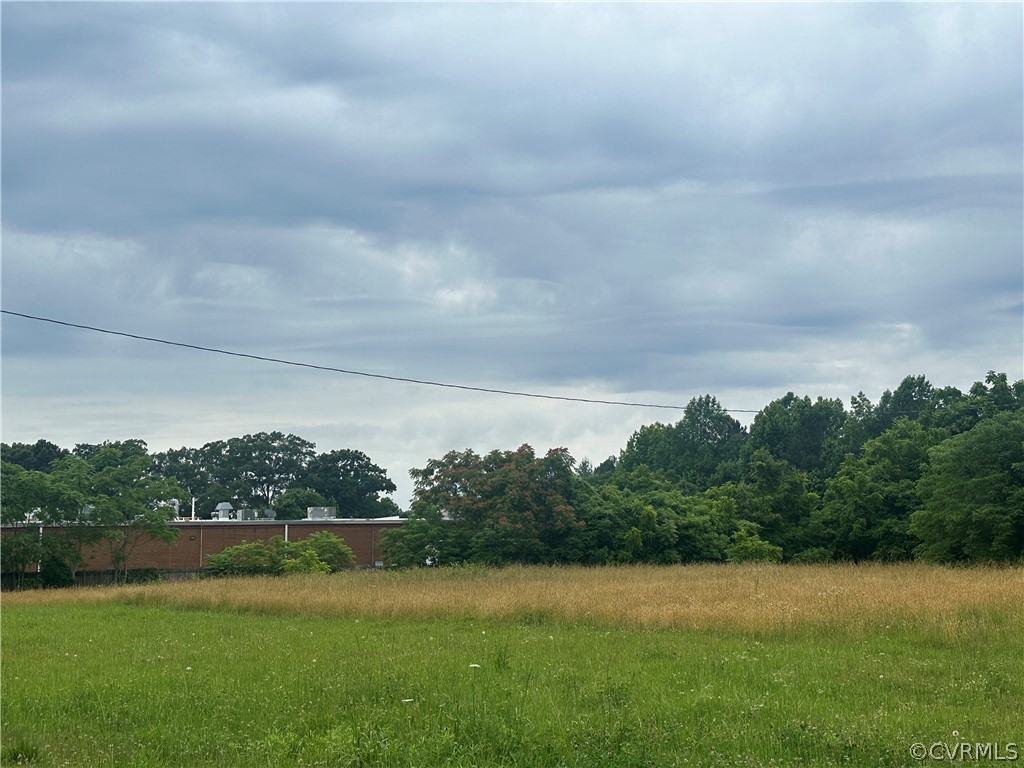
(223, 511)
(321, 513)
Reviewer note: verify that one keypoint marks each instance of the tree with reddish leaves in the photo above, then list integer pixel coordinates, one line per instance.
(505, 507)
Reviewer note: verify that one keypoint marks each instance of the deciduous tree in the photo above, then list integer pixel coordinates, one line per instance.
(696, 452)
(293, 503)
(129, 503)
(38, 456)
(972, 494)
(261, 466)
(868, 504)
(508, 506)
(349, 481)
(808, 435)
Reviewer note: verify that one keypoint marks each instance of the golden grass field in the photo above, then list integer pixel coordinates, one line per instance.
(737, 597)
(704, 665)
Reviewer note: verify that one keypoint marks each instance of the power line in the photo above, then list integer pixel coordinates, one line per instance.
(347, 372)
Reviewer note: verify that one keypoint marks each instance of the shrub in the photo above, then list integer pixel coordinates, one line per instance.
(322, 552)
(305, 562)
(748, 547)
(246, 559)
(330, 549)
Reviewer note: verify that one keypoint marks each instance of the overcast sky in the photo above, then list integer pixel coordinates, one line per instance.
(617, 201)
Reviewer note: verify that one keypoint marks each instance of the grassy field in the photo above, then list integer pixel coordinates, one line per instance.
(698, 665)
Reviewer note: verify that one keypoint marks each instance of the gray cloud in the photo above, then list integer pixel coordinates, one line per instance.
(659, 199)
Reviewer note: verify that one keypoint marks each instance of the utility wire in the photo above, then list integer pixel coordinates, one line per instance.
(347, 372)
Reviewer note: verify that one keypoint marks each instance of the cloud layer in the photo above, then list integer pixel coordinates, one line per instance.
(606, 200)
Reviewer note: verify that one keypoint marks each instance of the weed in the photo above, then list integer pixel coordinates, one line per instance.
(19, 752)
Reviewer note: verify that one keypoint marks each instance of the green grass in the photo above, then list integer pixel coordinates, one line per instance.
(109, 684)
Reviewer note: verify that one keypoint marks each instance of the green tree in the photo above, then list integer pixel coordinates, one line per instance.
(130, 504)
(22, 551)
(912, 398)
(351, 482)
(944, 408)
(809, 435)
(426, 538)
(192, 469)
(54, 567)
(293, 503)
(124, 450)
(985, 399)
(644, 518)
(777, 498)
(25, 493)
(255, 470)
(695, 452)
(869, 502)
(38, 456)
(110, 497)
(748, 547)
(508, 506)
(69, 508)
(972, 494)
(598, 539)
(219, 478)
(260, 466)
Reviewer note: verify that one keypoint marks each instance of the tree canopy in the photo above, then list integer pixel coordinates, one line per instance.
(694, 452)
(928, 472)
(266, 470)
(511, 506)
(972, 494)
(350, 482)
(107, 494)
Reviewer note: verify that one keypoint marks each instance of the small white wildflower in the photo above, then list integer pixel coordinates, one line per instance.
(474, 666)
(188, 669)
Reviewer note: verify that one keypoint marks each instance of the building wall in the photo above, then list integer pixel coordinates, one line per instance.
(197, 539)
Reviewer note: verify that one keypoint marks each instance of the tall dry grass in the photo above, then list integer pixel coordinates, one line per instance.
(739, 597)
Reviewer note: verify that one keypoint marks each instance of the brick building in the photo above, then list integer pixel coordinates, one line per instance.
(199, 538)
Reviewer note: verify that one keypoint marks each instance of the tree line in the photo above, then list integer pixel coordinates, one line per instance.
(115, 494)
(929, 473)
(99, 496)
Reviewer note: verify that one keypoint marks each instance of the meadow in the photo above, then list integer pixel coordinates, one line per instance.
(632, 666)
